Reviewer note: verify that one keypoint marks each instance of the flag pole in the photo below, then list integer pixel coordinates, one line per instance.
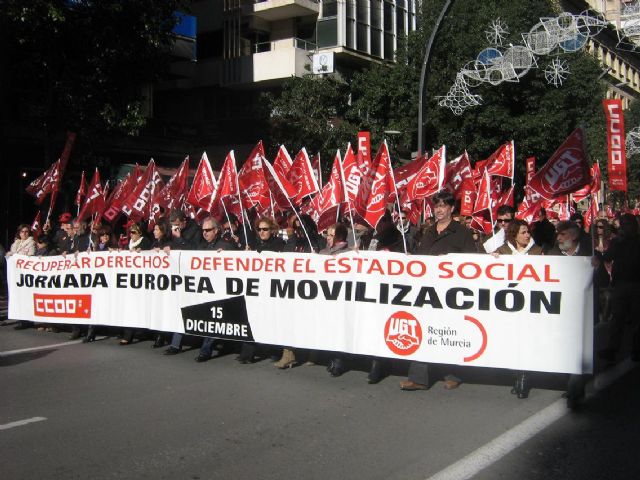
(242, 212)
(353, 229)
(395, 190)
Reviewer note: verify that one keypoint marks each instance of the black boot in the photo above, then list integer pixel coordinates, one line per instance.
(377, 371)
(521, 387)
(91, 336)
(158, 342)
(336, 367)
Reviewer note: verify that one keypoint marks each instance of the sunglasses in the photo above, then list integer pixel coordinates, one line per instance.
(263, 229)
(207, 230)
(503, 220)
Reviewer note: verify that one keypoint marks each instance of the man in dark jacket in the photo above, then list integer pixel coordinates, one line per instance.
(212, 240)
(446, 236)
(568, 244)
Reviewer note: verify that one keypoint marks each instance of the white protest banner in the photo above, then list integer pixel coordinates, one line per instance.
(518, 312)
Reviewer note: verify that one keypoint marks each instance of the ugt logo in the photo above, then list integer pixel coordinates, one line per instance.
(403, 333)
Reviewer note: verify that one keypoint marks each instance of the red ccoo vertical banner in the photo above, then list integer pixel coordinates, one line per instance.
(617, 163)
(531, 168)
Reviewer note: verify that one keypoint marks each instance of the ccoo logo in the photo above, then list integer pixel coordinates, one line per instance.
(403, 333)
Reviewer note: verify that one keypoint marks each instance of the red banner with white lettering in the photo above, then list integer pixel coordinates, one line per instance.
(566, 171)
(617, 161)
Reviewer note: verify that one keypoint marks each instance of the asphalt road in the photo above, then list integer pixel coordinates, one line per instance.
(105, 411)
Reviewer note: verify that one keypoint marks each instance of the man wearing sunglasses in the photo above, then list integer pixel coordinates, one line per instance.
(503, 217)
(212, 240)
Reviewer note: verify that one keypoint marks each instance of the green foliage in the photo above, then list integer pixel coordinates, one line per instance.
(81, 65)
(538, 116)
(310, 112)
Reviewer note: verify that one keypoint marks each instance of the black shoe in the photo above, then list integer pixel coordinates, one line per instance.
(158, 342)
(171, 351)
(89, 339)
(376, 374)
(202, 358)
(244, 360)
(521, 387)
(336, 367)
(21, 326)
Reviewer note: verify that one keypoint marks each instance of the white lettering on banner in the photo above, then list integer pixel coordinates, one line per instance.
(616, 143)
(526, 313)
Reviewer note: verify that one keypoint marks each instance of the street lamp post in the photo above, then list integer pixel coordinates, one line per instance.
(423, 73)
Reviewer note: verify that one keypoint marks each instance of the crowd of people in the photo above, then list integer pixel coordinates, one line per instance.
(612, 243)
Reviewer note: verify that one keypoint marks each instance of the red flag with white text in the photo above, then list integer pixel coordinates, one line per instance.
(253, 186)
(46, 183)
(566, 171)
(456, 171)
(94, 202)
(617, 157)
(204, 187)
(174, 193)
(381, 188)
(302, 178)
(502, 161)
(429, 178)
(82, 190)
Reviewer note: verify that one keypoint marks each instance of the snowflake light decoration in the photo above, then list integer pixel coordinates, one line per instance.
(556, 72)
(565, 33)
(497, 32)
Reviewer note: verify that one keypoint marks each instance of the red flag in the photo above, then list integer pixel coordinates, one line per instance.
(332, 194)
(566, 171)
(528, 210)
(429, 178)
(228, 186)
(468, 194)
(95, 198)
(383, 185)
(282, 163)
(136, 205)
(483, 200)
(502, 162)
(481, 224)
(66, 152)
(119, 194)
(364, 152)
(592, 187)
(174, 193)
(617, 159)
(530, 169)
(456, 172)
(403, 175)
(506, 198)
(253, 186)
(46, 183)
(352, 175)
(592, 213)
(155, 206)
(36, 225)
(478, 169)
(82, 190)
(204, 187)
(301, 177)
(278, 189)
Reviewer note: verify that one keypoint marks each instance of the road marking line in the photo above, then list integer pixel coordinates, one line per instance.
(500, 446)
(21, 423)
(36, 349)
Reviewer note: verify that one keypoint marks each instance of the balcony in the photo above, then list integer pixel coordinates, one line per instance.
(272, 10)
(269, 62)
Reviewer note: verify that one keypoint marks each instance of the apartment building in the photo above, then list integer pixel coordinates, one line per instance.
(246, 47)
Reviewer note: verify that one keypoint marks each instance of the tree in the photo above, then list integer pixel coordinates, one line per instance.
(80, 65)
(310, 112)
